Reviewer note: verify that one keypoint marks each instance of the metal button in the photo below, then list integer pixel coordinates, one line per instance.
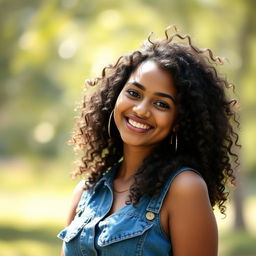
(79, 211)
(150, 215)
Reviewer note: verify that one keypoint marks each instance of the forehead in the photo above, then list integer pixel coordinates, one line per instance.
(153, 77)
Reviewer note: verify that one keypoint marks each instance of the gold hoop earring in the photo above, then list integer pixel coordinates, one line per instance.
(176, 141)
(109, 123)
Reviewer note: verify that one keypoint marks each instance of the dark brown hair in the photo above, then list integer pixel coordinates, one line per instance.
(205, 119)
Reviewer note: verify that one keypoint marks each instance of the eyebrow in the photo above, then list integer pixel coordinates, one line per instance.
(161, 94)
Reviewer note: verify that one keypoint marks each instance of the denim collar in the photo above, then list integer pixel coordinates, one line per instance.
(107, 177)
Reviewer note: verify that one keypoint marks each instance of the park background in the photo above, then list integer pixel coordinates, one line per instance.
(47, 50)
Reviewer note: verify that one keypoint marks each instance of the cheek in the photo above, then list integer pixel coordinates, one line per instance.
(119, 101)
(166, 122)
(122, 103)
(120, 106)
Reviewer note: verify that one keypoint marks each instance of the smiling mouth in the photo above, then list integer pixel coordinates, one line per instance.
(138, 125)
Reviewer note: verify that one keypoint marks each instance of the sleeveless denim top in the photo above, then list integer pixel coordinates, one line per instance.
(132, 230)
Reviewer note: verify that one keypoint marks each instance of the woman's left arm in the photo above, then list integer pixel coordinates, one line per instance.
(192, 224)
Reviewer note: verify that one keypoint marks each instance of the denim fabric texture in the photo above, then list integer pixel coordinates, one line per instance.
(130, 231)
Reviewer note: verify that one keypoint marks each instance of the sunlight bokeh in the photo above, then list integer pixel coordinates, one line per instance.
(49, 48)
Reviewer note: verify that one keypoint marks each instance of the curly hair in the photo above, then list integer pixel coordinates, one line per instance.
(205, 120)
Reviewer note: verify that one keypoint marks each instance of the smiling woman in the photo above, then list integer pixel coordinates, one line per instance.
(157, 142)
(145, 112)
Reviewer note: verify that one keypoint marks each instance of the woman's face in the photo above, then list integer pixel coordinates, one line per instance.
(145, 110)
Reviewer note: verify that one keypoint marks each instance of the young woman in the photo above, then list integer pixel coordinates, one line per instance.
(157, 141)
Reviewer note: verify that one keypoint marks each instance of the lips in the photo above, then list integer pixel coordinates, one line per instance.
(137, 125)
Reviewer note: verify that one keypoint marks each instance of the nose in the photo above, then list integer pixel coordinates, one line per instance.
(142, 109)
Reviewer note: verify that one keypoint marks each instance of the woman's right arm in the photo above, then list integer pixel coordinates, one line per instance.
(78, 191)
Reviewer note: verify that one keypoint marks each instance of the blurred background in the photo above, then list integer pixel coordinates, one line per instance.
(47, 50)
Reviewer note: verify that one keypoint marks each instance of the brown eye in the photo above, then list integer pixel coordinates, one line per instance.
(133, 93)
(162, 105)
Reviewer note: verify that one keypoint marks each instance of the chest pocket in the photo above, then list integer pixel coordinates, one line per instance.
(83, 217)
(75, 227)
(120, 227)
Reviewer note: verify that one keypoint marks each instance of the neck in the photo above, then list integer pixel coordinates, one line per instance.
(132, 160)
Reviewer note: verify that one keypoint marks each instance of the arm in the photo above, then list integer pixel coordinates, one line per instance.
(192, 225)
(78, 191)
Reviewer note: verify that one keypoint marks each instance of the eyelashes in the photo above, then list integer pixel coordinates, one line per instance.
(133, 94)
(162, 104)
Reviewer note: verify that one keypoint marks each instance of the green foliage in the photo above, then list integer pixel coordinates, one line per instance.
(238, 244)
(48, 48)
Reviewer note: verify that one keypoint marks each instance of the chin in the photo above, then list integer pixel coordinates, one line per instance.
(134, 142)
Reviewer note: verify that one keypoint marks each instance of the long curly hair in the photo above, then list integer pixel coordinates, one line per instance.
(206, 120)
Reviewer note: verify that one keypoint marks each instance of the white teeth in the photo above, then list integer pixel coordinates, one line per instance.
(138, 125)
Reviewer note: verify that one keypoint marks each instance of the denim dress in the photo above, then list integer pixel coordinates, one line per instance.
(132, 230)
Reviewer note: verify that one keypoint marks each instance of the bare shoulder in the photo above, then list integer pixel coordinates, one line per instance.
(190, 214)
(188, 192)
(188, 184)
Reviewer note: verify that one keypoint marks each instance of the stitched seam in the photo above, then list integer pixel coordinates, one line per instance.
(82, 235)
(140, 245)
(129, 214)
(122, 237)
(116, 239)
(160, 227)
(71, 231)
(155, 207)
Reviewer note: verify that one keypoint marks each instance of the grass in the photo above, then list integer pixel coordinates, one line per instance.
(238, 243)
(29, 241)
